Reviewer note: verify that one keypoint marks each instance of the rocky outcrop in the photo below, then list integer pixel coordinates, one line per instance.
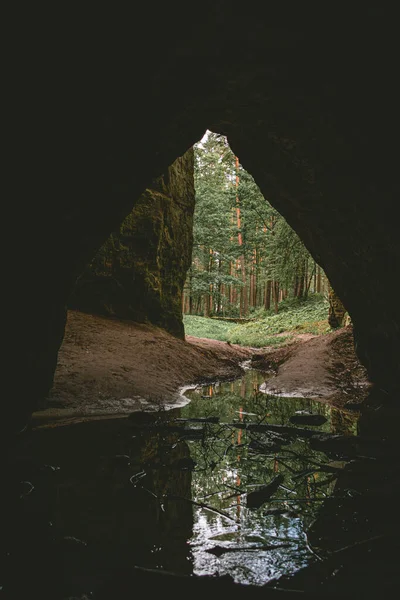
(309, 104)
(337, 312)
(140, 271)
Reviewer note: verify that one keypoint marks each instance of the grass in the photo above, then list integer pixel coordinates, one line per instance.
(294, 316)
(204, 327)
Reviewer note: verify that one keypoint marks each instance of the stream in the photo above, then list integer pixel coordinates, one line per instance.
(220, 486)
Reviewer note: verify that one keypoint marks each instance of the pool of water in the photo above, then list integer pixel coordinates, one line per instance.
(173, 490)
(255, 545)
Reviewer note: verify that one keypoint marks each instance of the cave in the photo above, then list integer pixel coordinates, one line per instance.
(309, 102)
(312, 117)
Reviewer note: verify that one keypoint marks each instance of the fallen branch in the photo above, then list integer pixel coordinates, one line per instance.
(198, 420)
(220, 550)
(202, 505)
(259, 497)
(283, 429)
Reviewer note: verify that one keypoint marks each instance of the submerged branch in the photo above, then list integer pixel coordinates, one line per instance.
(202, 505)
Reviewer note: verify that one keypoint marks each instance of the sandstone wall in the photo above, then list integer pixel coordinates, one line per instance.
(140, 271)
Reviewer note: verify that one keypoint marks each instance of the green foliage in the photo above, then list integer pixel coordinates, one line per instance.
(299, 310)
(213, 184)
(296, 316)
(256, 337)
(288, 256)
(204, 327)
(258, 218)
(239, 238)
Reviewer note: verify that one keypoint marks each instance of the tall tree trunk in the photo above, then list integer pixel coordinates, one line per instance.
(252, 294)
(230, 285)
(244, 301)
(319, 279)
(300, 292)
(206, 310)
(305, 279)
(244, 290)
(275, 293)
(253, 283)
(251, 289)
(219, 289)
(268, 290)
(234, 287)
(309, 281)
(190, 292)
(296, 286)
(209, 298)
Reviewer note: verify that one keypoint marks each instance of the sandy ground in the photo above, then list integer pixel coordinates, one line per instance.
(109, 366)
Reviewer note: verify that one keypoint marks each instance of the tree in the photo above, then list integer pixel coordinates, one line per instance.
(245, 255)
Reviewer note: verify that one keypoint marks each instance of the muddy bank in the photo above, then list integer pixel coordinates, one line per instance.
(323, 367)
(110, 366)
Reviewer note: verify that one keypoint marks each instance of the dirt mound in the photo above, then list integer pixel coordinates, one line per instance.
(323, 367)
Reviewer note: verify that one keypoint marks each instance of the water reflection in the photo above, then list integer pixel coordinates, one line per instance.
(168, 490)
(255, 546)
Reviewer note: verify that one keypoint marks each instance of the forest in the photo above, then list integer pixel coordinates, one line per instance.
(245, 255)
(248, 264)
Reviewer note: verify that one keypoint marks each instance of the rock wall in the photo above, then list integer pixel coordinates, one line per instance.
(337, 312)
(140, 271)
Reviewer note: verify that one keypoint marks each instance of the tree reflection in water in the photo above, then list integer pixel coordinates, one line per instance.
(167, 490)
(232, 462)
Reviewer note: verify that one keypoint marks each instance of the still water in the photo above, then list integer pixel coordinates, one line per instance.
(173, 490)
(255, 545)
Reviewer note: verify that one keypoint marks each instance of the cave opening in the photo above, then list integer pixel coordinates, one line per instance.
(245, 256)
(86, 502)
(312, 110)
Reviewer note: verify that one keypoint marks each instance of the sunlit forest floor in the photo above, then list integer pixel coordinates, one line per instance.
(261, 328)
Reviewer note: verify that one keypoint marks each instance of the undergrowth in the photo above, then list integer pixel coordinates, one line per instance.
(265, 327)
(204, 327)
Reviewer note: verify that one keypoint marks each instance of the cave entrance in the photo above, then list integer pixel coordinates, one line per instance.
(202, 240)
(247, 262)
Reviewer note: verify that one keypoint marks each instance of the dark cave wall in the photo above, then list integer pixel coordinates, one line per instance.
(140, 271)
(309, 103)
(326, 188)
